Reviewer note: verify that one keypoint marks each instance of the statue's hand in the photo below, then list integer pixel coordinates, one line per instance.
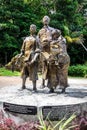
(61, 65)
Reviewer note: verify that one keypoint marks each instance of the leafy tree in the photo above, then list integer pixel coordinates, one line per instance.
(17, 15)
(69, 17)
(15, 19)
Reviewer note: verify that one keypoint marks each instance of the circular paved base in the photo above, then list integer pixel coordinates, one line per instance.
(76, 94)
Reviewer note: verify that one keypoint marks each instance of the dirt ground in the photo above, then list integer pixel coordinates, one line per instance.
(15, 80)
(12, 81)
(8, 81)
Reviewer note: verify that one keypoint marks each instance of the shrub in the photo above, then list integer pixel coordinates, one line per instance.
(31, 125)
(78, 71)
(6, 123)
(72, 123)
(80, 121)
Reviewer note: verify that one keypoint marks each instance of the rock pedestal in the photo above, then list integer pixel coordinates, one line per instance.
(28, 105)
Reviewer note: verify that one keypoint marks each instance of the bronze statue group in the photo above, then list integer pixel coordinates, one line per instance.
(47, 48)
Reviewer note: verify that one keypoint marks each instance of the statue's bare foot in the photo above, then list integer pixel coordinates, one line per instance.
(42, 86)
(34, 90)
(22, 88)
(63, 90)
(51, 90)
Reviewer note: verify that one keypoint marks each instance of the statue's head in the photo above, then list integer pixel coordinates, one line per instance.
(32, 28)
(46, 20)
(56, 33)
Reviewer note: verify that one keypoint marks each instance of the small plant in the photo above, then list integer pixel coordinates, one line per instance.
(81, 121)
(64, 124)
(31, 125)
(6, 123)
(9, 124)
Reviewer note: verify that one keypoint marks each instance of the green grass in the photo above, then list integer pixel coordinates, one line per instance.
(5, 72)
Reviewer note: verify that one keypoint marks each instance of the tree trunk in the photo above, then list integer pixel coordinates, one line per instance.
(5, 57)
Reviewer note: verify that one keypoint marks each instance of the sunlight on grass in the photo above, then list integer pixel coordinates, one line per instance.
(5, 72)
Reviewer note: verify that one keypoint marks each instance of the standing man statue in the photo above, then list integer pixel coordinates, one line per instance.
(45, 37)
(30, 51)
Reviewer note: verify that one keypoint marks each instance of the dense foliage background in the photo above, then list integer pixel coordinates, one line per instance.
(70, 16)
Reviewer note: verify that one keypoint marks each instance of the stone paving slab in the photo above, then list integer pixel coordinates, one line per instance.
(76, 93)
